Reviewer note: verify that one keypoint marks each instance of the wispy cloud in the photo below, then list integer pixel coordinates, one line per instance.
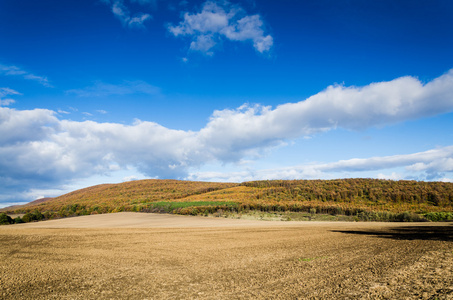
(16, 71)
(222, 20)
(121, 11)
(6, 102)
(145, 2)
(36, 147)
(101, 89)
(5, 92)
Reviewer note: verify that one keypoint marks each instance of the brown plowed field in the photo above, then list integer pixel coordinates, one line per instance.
(147, 256)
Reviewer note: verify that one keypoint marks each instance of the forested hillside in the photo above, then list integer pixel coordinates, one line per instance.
(366, 199)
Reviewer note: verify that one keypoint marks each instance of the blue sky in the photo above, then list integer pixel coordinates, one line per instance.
(99, 91)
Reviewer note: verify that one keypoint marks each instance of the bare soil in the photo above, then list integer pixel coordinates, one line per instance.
(149, 256)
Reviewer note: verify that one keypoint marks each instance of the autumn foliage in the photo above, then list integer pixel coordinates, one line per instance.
(366, 199)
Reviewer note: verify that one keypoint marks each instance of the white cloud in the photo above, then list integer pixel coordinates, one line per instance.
(446, 179)
(6, 102)
(16, 71)
(7, 91)
(138, 20)
(218, 21)
(429, 161)
(100, 89)
(17, 126)
(353, 108)
(130, 178)
(39, 149)
(122, 12)
(249, 28)
(203, 43)
(349, 168)
(4, 92)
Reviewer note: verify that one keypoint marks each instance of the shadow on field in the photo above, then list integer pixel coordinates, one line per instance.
(429, 233)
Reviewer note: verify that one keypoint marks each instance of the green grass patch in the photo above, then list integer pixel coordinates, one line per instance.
(176, 205)
(191, 208)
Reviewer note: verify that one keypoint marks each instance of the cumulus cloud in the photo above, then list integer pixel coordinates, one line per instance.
(427, 165)
(352, 108)
(101, 89)
(17, 126)
(16, 71)
(121, 11)
(37, 148)
(218, 21)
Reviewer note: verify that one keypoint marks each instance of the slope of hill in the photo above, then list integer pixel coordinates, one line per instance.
(16, 207)
(128, 196)
(366, 199)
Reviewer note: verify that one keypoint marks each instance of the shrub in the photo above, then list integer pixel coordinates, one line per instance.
(439, 216)
(28, 217)
(409, 217)
(18, 220)
(37, 215)
(5, 219)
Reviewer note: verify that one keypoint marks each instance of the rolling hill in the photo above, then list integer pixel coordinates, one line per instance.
(366, 199)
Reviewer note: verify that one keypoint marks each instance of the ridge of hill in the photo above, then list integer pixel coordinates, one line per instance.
(366, 199)
(15, 207)
(106, 198)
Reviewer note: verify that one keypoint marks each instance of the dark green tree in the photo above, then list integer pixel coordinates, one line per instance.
(5, 219)
(28, 217)
(18, 220)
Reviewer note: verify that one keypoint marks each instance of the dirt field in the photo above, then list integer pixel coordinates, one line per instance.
(148, 256)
